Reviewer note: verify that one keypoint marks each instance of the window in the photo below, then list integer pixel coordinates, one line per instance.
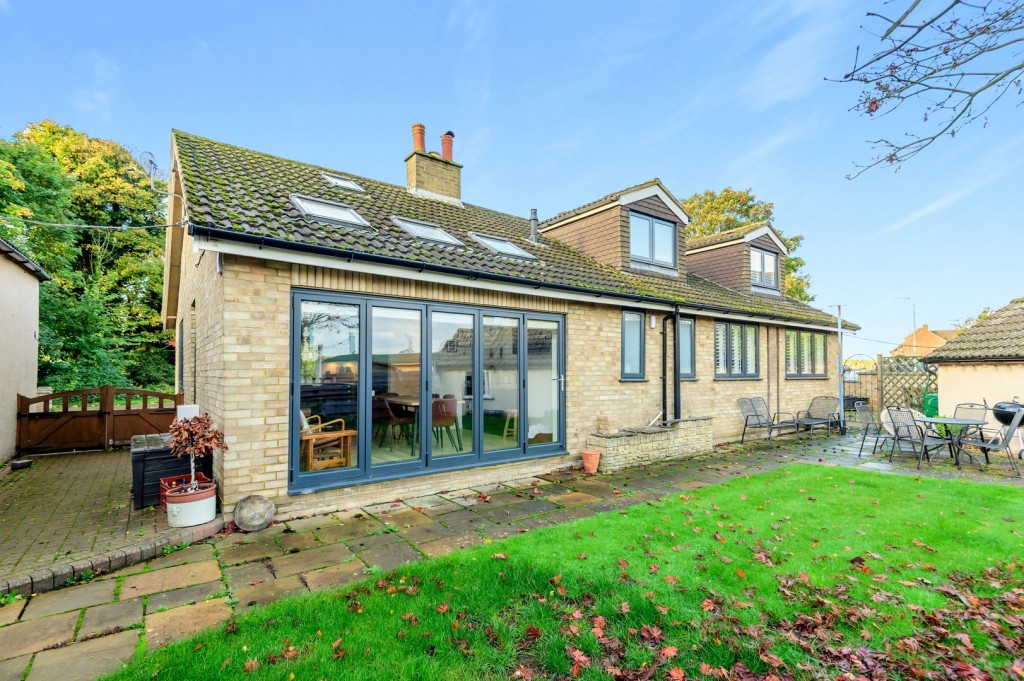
(503, 246)
(764, 269)
(426, 231)
(632, 345)
(652, 241)
(343, 182)
(735, 350)
(685, 349)
(328, 211)
(805, 353)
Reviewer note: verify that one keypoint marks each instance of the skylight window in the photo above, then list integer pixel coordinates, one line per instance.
(343, 182)
(327, 211)
(427, 231)
(503, 246)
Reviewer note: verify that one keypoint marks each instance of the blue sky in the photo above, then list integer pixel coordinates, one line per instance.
(554, 105)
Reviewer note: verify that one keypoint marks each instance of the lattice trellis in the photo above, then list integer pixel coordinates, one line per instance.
(905, 380)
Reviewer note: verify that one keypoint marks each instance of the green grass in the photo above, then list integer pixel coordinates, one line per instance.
(695, 566)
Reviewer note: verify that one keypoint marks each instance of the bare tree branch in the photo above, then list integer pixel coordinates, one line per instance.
(922, 64)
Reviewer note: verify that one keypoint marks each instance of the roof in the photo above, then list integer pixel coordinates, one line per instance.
(236, 193)
(22, 261)
(1000, 336)
(946, 334)
(607, 199)
(724, 237)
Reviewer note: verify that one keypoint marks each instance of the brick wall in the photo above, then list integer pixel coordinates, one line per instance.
(433, 174)
(651, 445)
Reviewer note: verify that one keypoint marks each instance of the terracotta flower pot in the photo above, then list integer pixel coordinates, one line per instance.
(591, 460)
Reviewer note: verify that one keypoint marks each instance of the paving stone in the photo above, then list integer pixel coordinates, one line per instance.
(449, 544)
(304, 561)
(690, 485)
(246, 553)
(298, 541)
(88, 660)
(243, 575)
(110, 616)
(72, 598)
(336, 575)
(170, 578)
(535, 522)
(317, 522)
(29, 637)
(567, 515)
(505, 514)
(573, 499)
(537, 506)
(433, 505)
(373, 541)
(464, 521)
(391, 556)
(171, 625)
(407, 517)
(193, 554)
(272, 590)
(462, 497)
(183, 596)
(524, 483)
(350, 529)
(425, 533)
(10, 612)
(502, 531)
(497, 501)
(598, 489)
(11, 670)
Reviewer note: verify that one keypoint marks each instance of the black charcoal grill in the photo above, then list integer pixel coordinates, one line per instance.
(1005, 411)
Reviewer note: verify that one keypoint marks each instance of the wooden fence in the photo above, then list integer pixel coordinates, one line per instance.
(94, 418)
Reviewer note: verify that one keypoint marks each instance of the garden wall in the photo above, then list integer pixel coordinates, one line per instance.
(641, 446)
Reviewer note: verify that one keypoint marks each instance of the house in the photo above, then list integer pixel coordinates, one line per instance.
(302, 294)
(985, 362)
(19, 337)
(924, 341)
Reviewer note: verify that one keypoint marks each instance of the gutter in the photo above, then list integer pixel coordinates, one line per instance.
(351, 256)
(973, 360)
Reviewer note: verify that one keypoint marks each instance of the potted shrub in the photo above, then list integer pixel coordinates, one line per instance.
(193, 502)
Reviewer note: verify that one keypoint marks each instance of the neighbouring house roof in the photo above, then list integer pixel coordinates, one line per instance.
(23, 261)
(1000, 336)
(237, 194)
(946, 334)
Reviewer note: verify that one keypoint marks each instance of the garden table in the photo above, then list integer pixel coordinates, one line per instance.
(948, 421)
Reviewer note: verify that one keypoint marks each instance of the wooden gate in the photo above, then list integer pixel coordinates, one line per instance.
(94, 418)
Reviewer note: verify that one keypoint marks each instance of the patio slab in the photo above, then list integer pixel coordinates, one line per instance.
(170, 625)
(89, 659)
(170, 578)
(110, 617)
(11, 670)
(30, 637)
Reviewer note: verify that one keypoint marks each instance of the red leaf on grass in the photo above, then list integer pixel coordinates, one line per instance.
(251, 666)
(922, 545)
(443, 608)
(499, 556)
(668, 652)
(676, 674)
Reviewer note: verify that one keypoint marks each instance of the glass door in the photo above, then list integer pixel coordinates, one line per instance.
(450, 417)
(500, 383)
(545, 382)
(396, 390)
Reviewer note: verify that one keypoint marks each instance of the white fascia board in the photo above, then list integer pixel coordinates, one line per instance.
(770, 233)
(469, 281)
(655, 190)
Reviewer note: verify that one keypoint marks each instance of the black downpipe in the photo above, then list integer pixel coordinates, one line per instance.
(664, 370)
(677, 400)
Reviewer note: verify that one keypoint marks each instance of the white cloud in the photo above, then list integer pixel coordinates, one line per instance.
(99, 87)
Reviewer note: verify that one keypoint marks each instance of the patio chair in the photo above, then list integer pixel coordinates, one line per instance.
(970, 410)
(909, 432)
(756, 415)
(871, 427)
(321, 448)
(992, 440)
(822, 412)
(388, 423)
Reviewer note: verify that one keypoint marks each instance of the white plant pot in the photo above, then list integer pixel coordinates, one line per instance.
(192, 508)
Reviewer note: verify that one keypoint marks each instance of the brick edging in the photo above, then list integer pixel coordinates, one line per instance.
(53, 577)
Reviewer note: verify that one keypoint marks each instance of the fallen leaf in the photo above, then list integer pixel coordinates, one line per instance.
(251, 666)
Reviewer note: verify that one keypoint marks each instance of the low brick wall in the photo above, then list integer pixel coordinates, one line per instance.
(640, 446)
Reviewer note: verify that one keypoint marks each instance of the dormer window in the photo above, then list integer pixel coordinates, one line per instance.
(343, 182)
(652, 241)
(328, 211)
(764, 269)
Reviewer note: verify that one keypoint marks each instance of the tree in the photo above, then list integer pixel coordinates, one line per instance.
(971, 321)
(952, 63)
(715, 212)
(100, 316)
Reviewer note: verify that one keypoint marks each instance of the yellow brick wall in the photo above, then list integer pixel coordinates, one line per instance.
(433, 174)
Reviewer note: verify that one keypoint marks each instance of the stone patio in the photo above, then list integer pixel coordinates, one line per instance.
(91, 629)
(71, 514)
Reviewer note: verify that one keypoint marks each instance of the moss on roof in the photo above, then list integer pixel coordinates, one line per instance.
(1000, 336)
(232, 189)
(725, 237)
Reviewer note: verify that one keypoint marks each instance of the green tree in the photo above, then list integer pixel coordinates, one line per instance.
(100, 317)
(715, 212)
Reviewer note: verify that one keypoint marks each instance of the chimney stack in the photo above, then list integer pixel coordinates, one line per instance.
(533, 226)
(432, 176)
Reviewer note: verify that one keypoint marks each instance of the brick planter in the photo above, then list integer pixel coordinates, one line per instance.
(640, 446)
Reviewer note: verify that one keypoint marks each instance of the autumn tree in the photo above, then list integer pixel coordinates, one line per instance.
(947, 64)
(715, 212)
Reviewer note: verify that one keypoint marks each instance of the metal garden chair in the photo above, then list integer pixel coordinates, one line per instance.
(909, 432)
(992, 440)
(970, 410)
(871, 427)
(756, 415)
(823, 411)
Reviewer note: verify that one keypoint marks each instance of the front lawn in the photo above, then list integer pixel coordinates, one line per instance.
(807, 572)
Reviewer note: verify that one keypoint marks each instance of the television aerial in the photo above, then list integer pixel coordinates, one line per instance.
(147, 162)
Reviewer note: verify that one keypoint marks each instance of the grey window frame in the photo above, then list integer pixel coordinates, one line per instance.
(812, 359)
(650, 259)
(522, 254)
(407, 225)
(743, 346)
(342, 182)
(296, 200)
(759, 282)
(642, 374)
(692, 374)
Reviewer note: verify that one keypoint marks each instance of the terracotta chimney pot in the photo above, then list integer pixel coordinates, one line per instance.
(419, 137)
(446, 145)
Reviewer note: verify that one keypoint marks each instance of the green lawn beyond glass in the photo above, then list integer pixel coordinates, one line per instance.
(807, 572)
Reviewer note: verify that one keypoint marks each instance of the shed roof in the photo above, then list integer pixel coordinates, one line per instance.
(23, 261)
(998, 337)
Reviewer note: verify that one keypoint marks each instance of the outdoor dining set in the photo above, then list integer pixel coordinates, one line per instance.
(964, 434)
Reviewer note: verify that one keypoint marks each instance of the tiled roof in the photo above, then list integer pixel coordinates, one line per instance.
(23, 261)
(607, 198)
(998, 336)
(723, 237)
(236, 191)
